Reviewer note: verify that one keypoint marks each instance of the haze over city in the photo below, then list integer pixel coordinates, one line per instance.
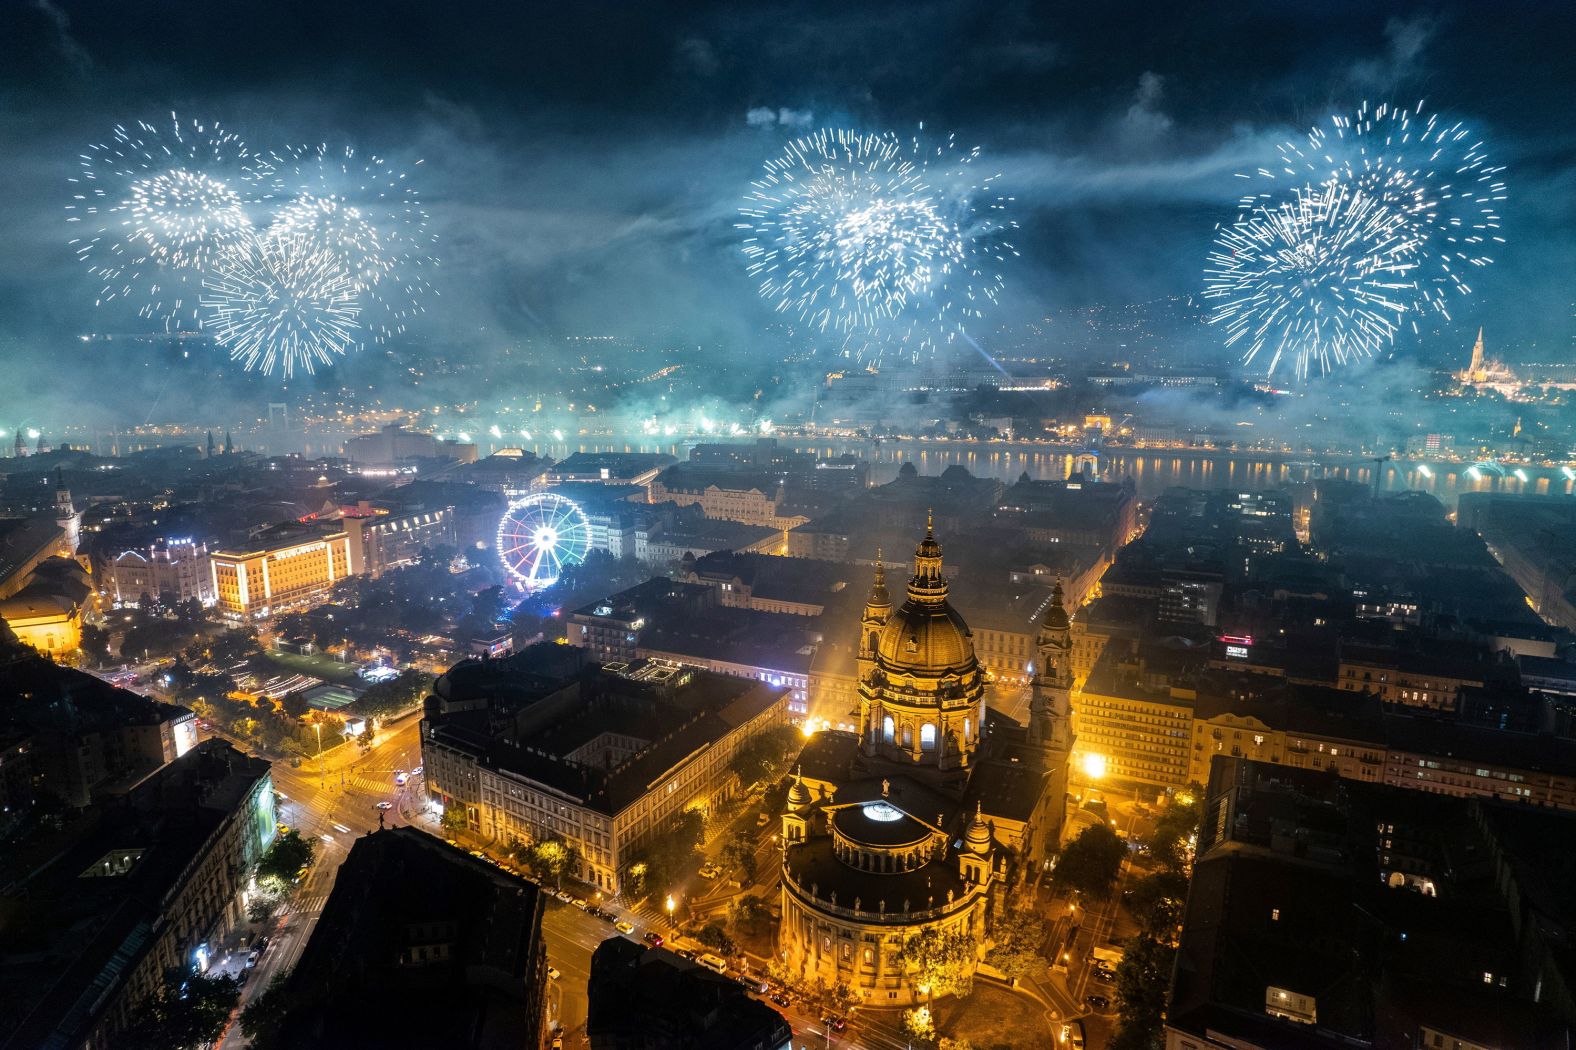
(882, 525)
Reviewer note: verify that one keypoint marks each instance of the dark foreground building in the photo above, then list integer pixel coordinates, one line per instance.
(650, 999)
(420, 945)
(1325, 913)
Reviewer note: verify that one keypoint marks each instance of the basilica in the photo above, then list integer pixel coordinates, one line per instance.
(936, 807)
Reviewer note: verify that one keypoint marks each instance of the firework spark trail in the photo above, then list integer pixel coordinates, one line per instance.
(1436, 174)
(157, 204)
(367, 211)
(889, 245)
(282, 302)
(1322, 279)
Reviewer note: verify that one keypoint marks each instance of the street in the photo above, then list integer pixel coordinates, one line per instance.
(344, 792)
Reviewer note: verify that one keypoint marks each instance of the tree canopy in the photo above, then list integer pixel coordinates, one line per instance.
(1091, 862)
(290, 852)
(182, 1018)
(942, 960)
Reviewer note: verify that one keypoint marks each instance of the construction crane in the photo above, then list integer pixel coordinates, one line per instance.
(1379, 462)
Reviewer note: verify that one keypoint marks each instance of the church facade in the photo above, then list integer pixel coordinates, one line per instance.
(934, 809)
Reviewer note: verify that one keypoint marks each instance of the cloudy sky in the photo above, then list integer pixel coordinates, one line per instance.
(583, 162)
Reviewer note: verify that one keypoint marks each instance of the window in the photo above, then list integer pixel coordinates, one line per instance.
(888, 728)
(927, 737)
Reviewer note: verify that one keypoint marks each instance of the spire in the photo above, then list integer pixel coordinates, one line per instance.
(798, 795)
(1477, 354)
(229, 447)
(928, 584)
(1055, 617)
(977, 840)
(879, 597)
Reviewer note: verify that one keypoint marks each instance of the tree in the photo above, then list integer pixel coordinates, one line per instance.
(1018, 934)
(1176, 825)
(1156, 902)
(554, 858)
(454, 819)
(739, 851)
(1143, 978)
(1091, 862)
(294, 704)
(750, 914)
(942, 960)
(95, 644)
(764, 755)
(670, 857)
(264, 1016)
(395, 695)
(286, 857)
(715, 935)
(190, 1016)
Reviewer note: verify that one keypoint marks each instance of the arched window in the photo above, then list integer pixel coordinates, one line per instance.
(888, 729)
(872, 645)
(927, 737)
(908, 736)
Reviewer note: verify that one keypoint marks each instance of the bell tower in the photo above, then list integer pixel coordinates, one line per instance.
(1050, 695)
(878, 608)
(66, 516)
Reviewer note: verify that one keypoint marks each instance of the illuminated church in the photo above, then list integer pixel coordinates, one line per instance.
(935, 808)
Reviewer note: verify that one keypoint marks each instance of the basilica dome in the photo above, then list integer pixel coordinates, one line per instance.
(926, 636)
(926, 639)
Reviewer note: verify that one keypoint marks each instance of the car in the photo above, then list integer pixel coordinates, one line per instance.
(385, 805)
(1097, 1002)
(417, 771)
(762, 819)
(683, 953)
(400, 778)
(561, 895)
(836, 1024)
(261, 944)
(1103, 974)
(623, 926)
(252, 957)
(781, 999)
(577, 902)
(553, 974)
(478, 854)
(652, 938)
(558, 1041)
(710, 871)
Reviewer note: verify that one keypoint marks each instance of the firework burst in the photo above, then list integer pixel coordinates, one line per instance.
(155, 205)
(365, 211)
(1435, 174)
(1322, 279)
(282, 303)
(861, 235)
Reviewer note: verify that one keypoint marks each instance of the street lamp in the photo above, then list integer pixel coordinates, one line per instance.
(671, 931)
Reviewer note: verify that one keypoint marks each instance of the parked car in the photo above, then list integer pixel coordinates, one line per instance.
(652, 938)
(709, 871)
(1097, 1002)
(553, 974)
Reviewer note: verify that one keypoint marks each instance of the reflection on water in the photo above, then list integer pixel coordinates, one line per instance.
(1152, 471)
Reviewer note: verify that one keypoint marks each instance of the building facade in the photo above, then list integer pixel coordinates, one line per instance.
(283, 569)
(380, 542)
(614, 757)
(177, 567)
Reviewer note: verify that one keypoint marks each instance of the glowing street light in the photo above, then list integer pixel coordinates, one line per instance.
(1093, 765)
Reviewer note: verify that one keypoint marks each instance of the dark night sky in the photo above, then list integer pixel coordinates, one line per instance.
(583, 162)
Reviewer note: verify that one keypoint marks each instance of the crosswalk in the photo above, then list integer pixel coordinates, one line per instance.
(307, 904)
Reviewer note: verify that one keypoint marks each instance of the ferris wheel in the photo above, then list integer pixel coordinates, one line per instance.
(540, 536)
